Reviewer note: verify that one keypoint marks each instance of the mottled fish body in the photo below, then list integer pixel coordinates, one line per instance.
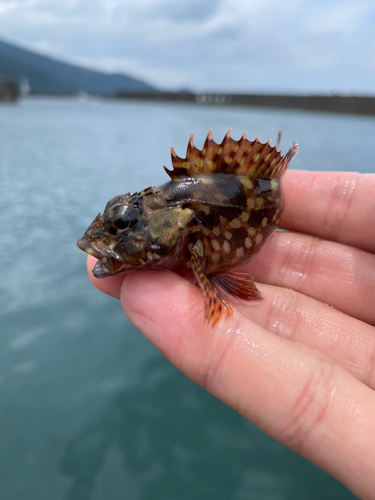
(220, 206)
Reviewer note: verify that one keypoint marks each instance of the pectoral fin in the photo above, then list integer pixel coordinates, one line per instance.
(214, 303)
(238, 284)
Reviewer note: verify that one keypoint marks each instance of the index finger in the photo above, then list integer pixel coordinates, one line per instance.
(337, 206)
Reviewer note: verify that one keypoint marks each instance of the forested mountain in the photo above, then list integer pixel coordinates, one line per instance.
(49, 76)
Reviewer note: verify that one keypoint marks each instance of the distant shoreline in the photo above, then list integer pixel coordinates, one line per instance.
(355, 105)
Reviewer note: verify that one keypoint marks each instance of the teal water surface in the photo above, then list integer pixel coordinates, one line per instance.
(89, 409)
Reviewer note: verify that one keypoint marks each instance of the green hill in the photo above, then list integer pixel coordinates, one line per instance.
(48, 76)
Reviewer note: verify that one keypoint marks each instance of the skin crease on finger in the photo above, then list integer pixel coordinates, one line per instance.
(337, 206)
(296, 317)
(337, 274)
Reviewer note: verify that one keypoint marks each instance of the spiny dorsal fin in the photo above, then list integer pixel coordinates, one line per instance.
(243, 157)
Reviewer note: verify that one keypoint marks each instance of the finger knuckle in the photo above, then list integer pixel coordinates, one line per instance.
(310, 406)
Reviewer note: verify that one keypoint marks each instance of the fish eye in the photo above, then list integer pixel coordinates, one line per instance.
(122, 221)
(121, 218)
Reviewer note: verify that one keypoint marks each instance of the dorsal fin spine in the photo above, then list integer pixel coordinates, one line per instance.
(243, 157)
(190, 147)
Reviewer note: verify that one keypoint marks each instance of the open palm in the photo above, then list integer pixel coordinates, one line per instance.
(300, 364)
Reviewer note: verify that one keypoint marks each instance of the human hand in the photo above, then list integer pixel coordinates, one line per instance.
(302, 371)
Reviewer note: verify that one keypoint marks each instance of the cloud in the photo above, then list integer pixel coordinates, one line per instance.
(294, 45)
(342, 18)
(184, 11)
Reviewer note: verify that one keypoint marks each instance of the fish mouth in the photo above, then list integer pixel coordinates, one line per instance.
(109, 262)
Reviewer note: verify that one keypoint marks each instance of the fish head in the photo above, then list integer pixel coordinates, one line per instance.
(118, 237)
(136, 232)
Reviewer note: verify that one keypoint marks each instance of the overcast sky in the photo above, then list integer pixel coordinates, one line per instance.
(228, 45)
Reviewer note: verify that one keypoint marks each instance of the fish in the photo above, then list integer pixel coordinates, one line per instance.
(221, 204)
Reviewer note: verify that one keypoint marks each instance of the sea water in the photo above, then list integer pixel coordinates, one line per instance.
(89, 410)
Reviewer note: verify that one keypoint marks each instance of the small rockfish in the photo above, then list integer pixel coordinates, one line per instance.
(220, 206)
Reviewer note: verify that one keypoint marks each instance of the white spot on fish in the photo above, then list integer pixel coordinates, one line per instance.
(274, 184)
(215, 257)
(240, 252)
(250, 203)
(247, 182)
(258, 238)
(215, 245)
(235, 223)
